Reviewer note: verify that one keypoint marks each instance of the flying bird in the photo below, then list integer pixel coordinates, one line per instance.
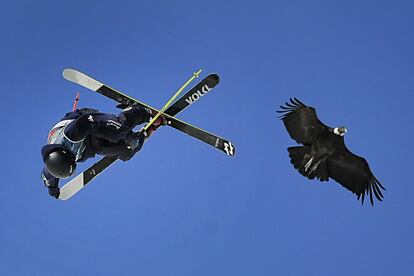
(324, 154)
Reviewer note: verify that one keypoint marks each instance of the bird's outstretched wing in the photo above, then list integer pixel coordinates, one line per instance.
(301, 121)
(353, 172)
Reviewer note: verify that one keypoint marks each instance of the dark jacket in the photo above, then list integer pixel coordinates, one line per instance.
(89, 151)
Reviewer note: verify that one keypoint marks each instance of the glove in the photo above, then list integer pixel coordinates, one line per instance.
(160, 121)
(54, 191)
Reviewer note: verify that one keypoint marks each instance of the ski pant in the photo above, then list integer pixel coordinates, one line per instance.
(108, 132)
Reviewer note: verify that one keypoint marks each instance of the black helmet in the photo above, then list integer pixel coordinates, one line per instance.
(60, 162)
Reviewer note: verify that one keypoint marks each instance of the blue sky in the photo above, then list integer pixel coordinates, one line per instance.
(180, 207)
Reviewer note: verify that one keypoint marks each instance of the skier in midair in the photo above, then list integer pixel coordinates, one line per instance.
(82, 133)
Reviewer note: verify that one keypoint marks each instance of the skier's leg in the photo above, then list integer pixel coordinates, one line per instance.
(106, 148)
(134, 115)
(118, 149)
(102, 125)
(120, 127)
(107, 126)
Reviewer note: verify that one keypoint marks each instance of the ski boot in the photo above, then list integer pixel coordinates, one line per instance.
(135, 140)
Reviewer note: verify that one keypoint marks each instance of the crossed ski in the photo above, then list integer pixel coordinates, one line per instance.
(194, 94)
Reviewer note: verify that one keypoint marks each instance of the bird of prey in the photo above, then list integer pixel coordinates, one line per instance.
(324, 154)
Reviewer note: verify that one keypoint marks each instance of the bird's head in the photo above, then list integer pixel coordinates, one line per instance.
(340, 131)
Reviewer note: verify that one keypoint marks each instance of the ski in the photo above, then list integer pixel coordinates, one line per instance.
(200, 134)
(81, 180)
(193, 95)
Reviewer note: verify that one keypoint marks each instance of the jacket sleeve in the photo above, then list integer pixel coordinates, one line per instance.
(49, 180)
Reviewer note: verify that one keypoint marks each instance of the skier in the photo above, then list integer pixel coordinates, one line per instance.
(82, 133)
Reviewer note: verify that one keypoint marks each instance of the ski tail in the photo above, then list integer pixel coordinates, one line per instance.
(81, 180)
(211, 139)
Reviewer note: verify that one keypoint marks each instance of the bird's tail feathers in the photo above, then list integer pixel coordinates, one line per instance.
(322, 171)
(299, 157)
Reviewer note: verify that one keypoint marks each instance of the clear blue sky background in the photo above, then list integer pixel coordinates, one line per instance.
(180, 207)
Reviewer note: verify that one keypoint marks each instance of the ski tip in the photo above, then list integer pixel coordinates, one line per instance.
(214, 76)
(212, 80)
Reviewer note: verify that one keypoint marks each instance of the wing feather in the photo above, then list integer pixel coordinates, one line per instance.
(370, 194)
(377, 191)
(354, 173)
(301, 121)
(297, 101)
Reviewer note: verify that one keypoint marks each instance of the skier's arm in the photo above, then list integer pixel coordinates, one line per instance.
(51, 182)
